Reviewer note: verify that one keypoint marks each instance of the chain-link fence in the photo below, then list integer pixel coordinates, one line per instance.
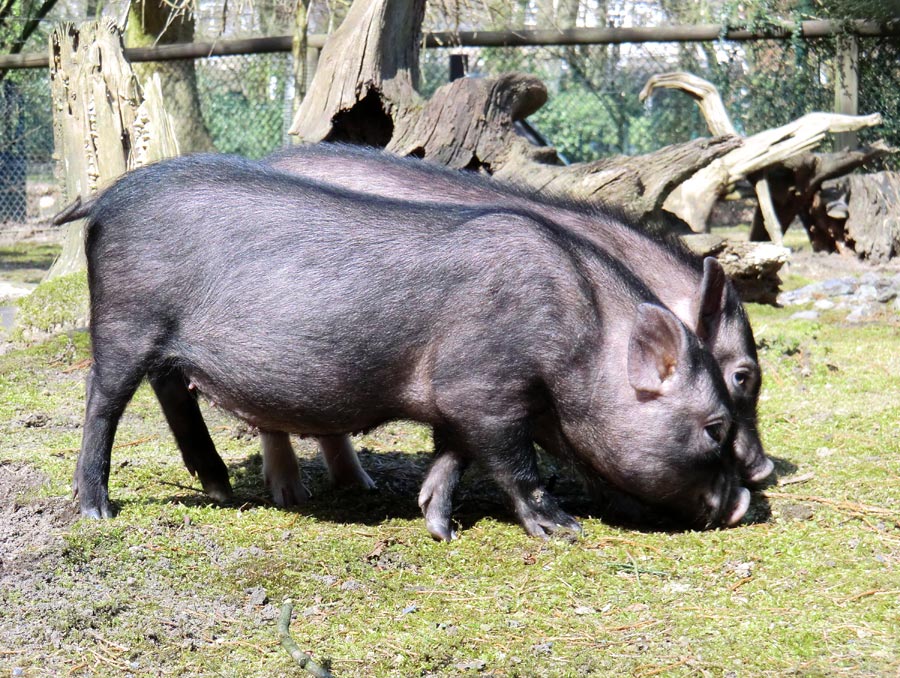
(242, 104)
(27, 186)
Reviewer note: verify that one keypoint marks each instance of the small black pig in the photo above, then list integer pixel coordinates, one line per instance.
(673, 274)
(306, 309)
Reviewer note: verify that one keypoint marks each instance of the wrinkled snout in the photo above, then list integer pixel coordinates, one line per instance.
(727, 506)
(755, 467)
(739, 507)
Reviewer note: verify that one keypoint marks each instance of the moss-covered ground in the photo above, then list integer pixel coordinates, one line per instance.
(178, 585)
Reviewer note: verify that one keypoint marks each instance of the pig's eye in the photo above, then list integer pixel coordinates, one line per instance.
(741, 378)
(716, 431)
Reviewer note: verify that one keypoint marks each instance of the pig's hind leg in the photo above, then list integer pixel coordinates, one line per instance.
(439, 486)
(108, 392)
(281, 471)
(186, 422)
(343, 465)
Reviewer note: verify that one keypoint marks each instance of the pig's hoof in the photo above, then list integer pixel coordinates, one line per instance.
(218, 491)
(354, 478)
(95, 507)
(96, 511)
(542, 517)
(440, 529)
(437, 519)
(287, 495)
(436, 502)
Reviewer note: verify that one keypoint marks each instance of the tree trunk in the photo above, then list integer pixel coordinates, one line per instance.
(364, 90)
(153, 22)
(103, 123)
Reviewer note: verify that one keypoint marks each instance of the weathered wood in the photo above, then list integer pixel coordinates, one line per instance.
(795, 184)
(468, 124)
(859, 214)
(702, 91)
(366, 79)
(846, 88)
(102, 122)
(692, 201)
(753, 267)
(719, 122)
(760, 156)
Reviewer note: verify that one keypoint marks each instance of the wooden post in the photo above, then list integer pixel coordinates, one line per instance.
(846, 89)
(103, 124)
(299, 50)
(459, 66)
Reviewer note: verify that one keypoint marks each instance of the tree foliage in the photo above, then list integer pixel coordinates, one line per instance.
(19, 19)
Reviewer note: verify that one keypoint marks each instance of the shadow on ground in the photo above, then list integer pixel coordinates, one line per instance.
(399, 476)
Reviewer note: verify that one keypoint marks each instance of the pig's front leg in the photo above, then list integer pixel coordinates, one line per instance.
(511, 460)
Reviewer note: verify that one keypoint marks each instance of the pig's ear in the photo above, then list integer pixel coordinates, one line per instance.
(658, 344)
(710, 298)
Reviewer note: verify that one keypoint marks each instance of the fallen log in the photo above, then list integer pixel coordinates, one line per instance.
(753, 267)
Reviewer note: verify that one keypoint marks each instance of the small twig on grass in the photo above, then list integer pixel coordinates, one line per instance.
(115, 447)
(181, 487)
(622, 540)
(77, 366)
(645, 671)
(739, 583)
(78, 667)
(284, 632)
(632, 627)
(793, 480)
(872, 592)
(115, 646)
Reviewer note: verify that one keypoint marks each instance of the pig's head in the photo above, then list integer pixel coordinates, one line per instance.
(662, 432)
(723, 326)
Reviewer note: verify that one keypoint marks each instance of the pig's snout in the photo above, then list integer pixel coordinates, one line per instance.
(727, 506)
(740, 507)
(758, 475)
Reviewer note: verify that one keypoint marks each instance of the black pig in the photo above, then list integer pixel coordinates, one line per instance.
(673, 274)
(306, 309)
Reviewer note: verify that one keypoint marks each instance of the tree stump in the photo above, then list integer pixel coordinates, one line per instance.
(103, 123)
(365, 83)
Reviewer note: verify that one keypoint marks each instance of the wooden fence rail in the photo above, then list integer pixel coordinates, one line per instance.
(517, 38)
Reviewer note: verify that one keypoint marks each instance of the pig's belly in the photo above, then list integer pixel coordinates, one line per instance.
(302, 409)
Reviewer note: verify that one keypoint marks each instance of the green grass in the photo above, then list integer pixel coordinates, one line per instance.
(27, 262)
(61, 303)
(174, 585)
